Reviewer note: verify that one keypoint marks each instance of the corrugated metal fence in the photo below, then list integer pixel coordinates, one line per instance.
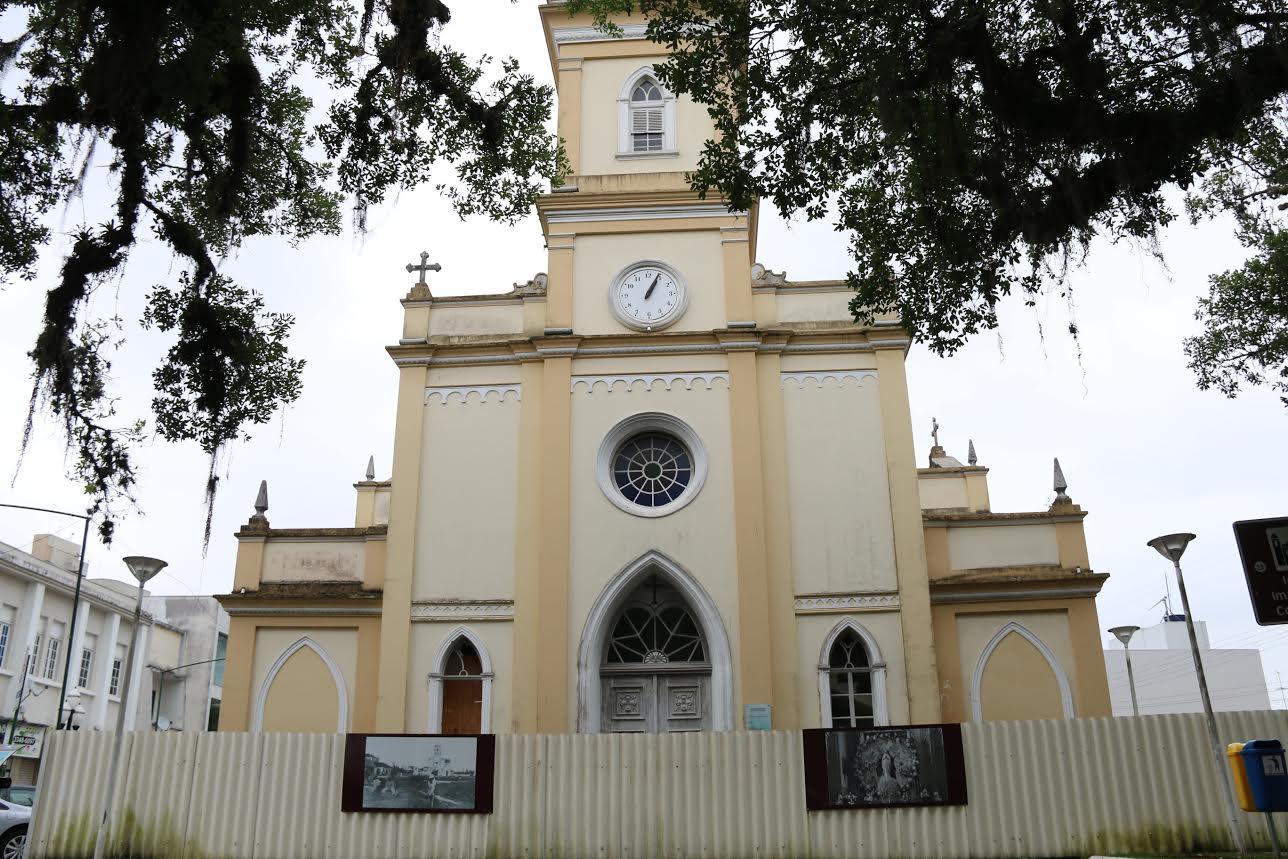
(1051, 788)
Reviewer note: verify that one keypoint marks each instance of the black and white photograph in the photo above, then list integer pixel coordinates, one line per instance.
(417, 773)
(869, 768)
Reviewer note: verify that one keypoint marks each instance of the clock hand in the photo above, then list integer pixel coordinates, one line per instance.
(652, 286)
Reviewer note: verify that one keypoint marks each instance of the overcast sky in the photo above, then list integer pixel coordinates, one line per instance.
(1144, 451)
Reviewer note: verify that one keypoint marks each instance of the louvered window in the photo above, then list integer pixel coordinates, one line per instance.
(646, 117)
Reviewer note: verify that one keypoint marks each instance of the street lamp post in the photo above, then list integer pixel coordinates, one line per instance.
(1172, 546)
(142, 569)
(1124, 634)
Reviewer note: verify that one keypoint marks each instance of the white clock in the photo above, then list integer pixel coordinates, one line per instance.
(648, 295)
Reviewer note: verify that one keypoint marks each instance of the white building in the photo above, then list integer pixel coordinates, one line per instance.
(186, 697)
(36, 598)
(1165, 678)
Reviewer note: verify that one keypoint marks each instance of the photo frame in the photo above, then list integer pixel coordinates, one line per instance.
(418, 773)
(889, 767)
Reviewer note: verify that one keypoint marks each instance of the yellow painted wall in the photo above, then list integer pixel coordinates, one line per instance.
(303, 696)
(456, 319)
(974, 631)
(699, 537)
(940, 493)
(696, 255)
(340, 644)
(1018, 683)
(810, 306)
(842, 533)
(602, 80)
(1007, 545)
(466, 525)
(313, 561)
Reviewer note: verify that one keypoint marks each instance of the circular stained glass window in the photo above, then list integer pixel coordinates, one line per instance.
(652, 469)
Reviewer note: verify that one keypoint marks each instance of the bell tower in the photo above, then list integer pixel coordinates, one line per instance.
(632, 248)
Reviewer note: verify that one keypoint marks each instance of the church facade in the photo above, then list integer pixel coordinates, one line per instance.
(654, 487)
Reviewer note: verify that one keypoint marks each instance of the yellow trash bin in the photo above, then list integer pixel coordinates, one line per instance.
(1242, 790)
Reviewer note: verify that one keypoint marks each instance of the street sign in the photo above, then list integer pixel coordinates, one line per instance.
(1263, 548)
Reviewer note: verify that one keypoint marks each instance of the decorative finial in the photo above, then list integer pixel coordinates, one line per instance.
(1061, 496)
(971, 458)
(371, 468)
(425, 266)
(934, 430)
(261, 506)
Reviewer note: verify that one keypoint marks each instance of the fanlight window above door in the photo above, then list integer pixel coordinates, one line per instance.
(655, 633)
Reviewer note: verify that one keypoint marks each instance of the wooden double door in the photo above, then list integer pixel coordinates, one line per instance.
(656, 701)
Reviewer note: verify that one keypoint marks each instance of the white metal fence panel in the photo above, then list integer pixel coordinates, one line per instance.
(1050, 788)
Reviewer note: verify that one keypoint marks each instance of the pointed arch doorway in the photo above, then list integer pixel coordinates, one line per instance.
(654, 655)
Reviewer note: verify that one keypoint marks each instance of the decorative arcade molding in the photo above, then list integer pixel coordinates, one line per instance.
(685, 380)
(845, 603)
(444, 395)
(819, 377)
(425, 612)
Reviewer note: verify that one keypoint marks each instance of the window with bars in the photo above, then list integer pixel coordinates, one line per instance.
(86, 666)
(850, 682)
(114, 686)
(647, 117)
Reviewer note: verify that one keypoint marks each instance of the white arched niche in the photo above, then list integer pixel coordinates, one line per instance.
(880, 707)
(590, 655)
(261, 697)
(624, 146)
(436, 679)
(977, 679)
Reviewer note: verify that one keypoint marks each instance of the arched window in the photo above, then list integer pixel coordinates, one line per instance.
(646, 117)
(851, 679)
(851, 682)
(646, 113)
(460, 689)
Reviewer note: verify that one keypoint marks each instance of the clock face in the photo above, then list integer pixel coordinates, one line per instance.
(647, 297)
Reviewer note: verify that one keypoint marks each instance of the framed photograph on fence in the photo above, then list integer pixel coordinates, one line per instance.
(418, 773)
(909, 765)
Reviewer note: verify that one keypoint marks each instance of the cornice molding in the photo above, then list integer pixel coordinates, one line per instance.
(845, 603)
(455, 610)
(443, 395)
(300, 611)
(819, 377)
(1027, 593)
(641, 213)
(685, 380)
(567, 35)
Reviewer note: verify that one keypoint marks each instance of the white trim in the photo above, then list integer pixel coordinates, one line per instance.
(845, 603)
(643, 213)
(590, 654)
(686, 381)
(976, 705)
(819, 377)
(436, 680)
(662, 322)
(669, 146)
(341, 690)
(646, 422)
(301, 611)
(424, 612)
(880, 706)
(564, 35)
(445, 394)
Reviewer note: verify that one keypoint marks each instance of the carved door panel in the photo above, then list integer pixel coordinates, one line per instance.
(629, 704)
(654, 703)
(683, 702)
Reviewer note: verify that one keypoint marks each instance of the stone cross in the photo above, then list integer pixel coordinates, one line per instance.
(425, 266)
(934, 430)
